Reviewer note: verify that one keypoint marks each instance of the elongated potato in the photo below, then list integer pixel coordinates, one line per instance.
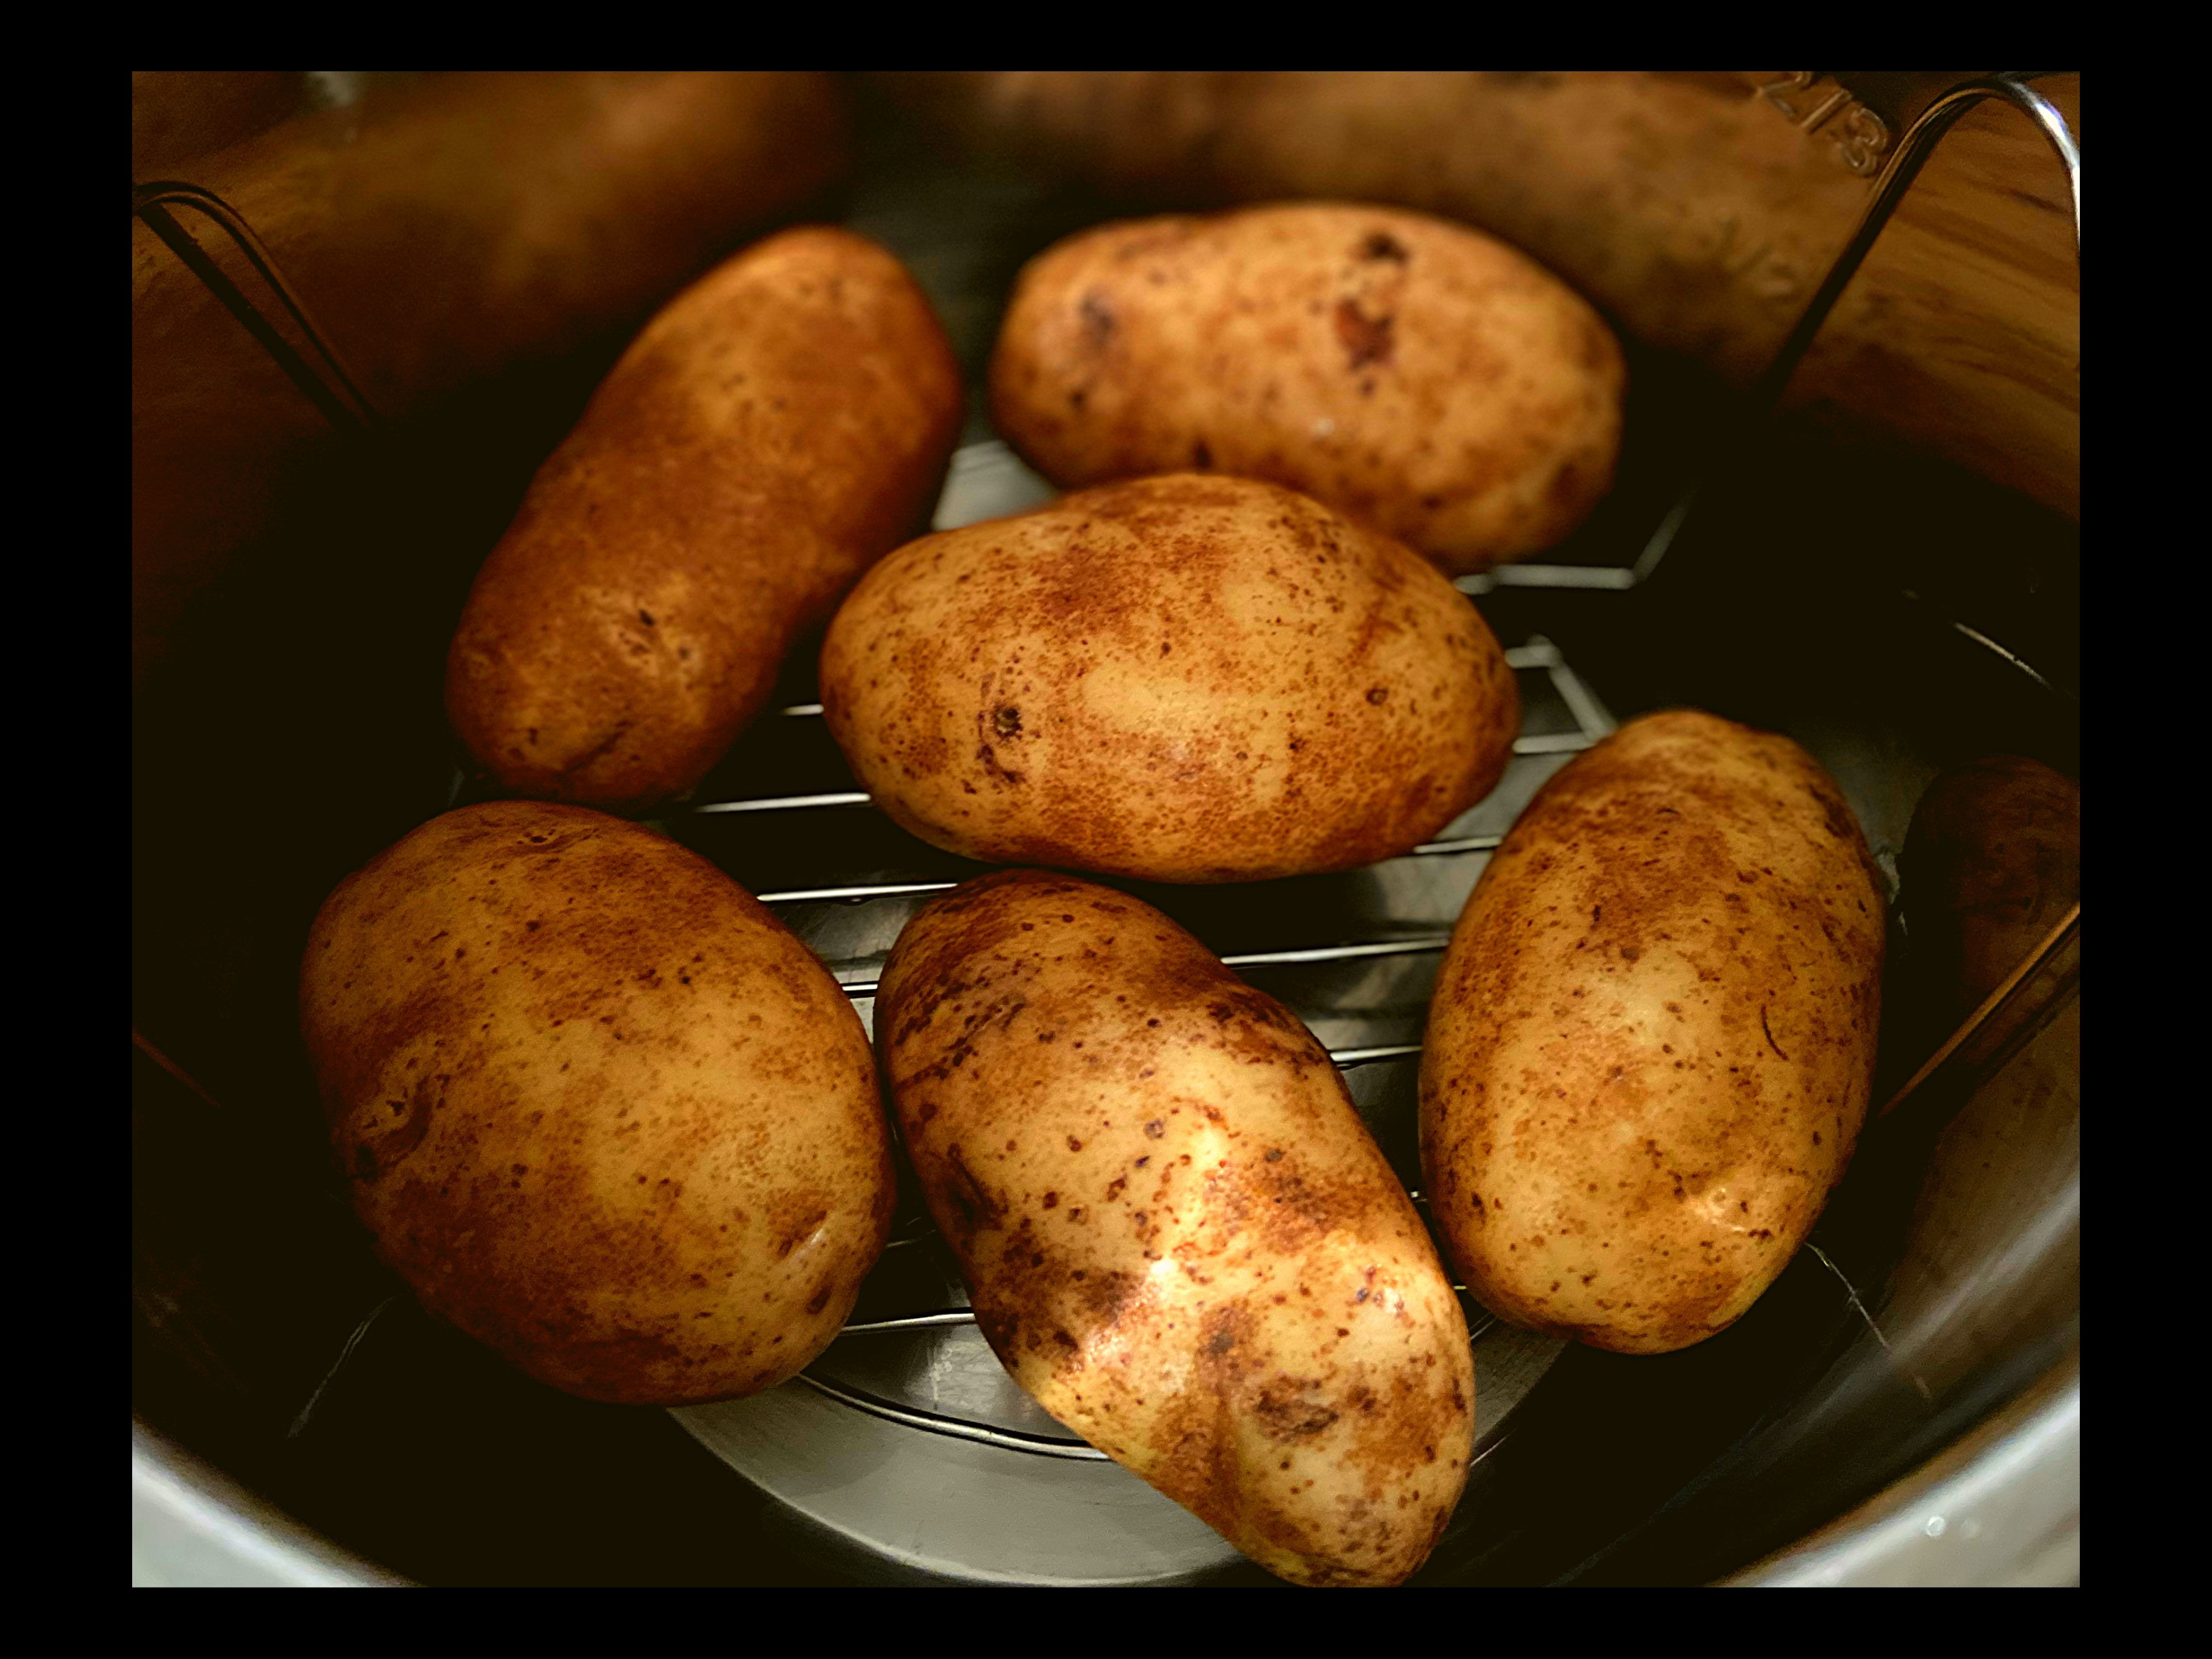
(1417, 374)
(599, 1108)
(1178, 1235)
(780, 426)
(1190, 678)
(1652, 1037)
(449, 232)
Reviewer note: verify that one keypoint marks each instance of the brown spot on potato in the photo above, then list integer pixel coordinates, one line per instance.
(1168, 588)
(1097, 319)
(1531, 1048)
(631, 621)
(1486, 398)
(572, 1215)
(1259, 1184)
(1366, 339)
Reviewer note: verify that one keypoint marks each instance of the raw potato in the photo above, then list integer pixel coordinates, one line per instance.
(780, 426)
(1652, 1037)
(1188, 678)
(599, 1108)
(1178, 1235)
(1418, 375)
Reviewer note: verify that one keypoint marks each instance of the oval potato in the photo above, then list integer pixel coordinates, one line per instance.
(1188, 678)
(1698, 216)
(1652, 1036)
(1179, 1237)
(601, 1109)
(1417, 374)
(782, 424)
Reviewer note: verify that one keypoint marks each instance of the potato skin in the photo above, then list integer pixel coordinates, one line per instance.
(1179, 1237)
(783, 423)
(1420, 375)
(601, 1109)
(1188, 678)
(1652, 1036)
(453, 233)
(1697, 215)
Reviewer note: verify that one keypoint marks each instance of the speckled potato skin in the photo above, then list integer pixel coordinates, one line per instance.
(1178, 1235)
(1418, 374)
(779, 427)
(599, 1108)
(1188, 678)
(1652, 1036)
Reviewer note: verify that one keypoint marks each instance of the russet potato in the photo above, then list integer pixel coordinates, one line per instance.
(1179, 1237)
(601, 1109)
(1187, 678)
(1417, 374)
(455, 235)
(1652, 1037)
(1698, 213)
(782, 424)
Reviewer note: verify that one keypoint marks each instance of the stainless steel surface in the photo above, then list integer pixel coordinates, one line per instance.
(191, 1527)
(2001, 1510)
(1924, 1348)
(1897, 175)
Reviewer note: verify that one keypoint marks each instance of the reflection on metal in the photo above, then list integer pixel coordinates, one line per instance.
(2012, 658)
(1343, 1057)
(922, 1321)
(193, 1525)
(306, 1412)
(1851, 1292)
(322, 376)
(171, 1067)
(788, 802)
(2031, 988)
(2001, 1508)
(1896, 181)
(983, 1434)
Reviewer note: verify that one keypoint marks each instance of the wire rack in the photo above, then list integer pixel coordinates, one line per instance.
(924, 1303)
(911, 1355)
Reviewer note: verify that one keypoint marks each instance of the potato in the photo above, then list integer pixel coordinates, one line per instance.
(1700, 216)
(450, 233)
(1652, 1036)
(599, 1108)
(1415, 373)
(781, 425)
(1178, 1235)
(1992, 863)
(1188, 678)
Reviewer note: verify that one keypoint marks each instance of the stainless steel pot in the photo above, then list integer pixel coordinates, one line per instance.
(1903, 1406)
